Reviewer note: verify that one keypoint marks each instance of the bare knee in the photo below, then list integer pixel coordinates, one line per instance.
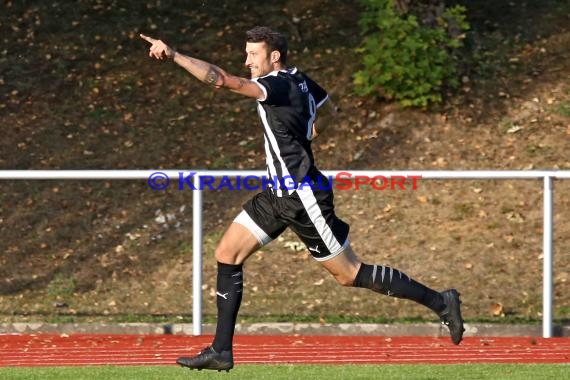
(225, 254)
(236, 245)
(344, 279)
(343, 267)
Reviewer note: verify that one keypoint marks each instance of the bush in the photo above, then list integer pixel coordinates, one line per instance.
(405, 61)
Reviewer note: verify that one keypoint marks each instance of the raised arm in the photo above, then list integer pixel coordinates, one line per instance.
(204, 71)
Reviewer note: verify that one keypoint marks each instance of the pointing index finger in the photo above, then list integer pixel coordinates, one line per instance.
(147, 38)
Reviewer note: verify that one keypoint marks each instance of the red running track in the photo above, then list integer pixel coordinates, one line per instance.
(76, 350)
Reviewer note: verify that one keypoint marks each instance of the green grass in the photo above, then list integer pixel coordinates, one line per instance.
(286, 372)
(562, 109)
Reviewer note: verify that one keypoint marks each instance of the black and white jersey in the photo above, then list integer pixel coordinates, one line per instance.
(287, 114)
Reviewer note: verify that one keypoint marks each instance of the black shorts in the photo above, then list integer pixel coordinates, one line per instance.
(309, 213)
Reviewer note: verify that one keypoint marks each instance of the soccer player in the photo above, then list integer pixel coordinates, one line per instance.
(287, 103)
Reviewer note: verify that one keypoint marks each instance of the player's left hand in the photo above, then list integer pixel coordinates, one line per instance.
(315, 132)
(158, 49)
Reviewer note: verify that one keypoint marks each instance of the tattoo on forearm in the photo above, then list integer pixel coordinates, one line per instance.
(212, 76)
(241, 83)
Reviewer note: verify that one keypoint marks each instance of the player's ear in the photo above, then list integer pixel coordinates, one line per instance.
(275, 56)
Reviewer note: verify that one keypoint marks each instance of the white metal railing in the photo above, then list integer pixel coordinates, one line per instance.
(546, 175)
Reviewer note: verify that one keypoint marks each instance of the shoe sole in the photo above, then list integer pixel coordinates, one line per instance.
(210, 369)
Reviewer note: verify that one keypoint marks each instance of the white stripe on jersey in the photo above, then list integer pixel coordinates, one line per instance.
(313, 110)
(324, 230)
(271, 170)
(270, 138)
(313, 115)
(322, 101)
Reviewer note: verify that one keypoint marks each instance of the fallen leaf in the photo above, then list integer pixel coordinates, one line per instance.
(497, 309)
(514, 129)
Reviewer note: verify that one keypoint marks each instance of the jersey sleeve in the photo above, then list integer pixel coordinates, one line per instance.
(319, 94)
(275, 89)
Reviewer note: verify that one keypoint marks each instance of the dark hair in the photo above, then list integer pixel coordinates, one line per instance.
(273, 39)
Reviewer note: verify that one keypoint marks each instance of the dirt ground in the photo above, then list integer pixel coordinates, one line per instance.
(77, 91)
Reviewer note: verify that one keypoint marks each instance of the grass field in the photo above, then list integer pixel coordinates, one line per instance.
(286, 372)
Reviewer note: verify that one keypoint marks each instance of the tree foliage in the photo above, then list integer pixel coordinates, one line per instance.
(408, 52)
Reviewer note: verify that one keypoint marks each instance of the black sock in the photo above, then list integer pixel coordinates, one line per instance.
(228, 299)
(392, 282)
